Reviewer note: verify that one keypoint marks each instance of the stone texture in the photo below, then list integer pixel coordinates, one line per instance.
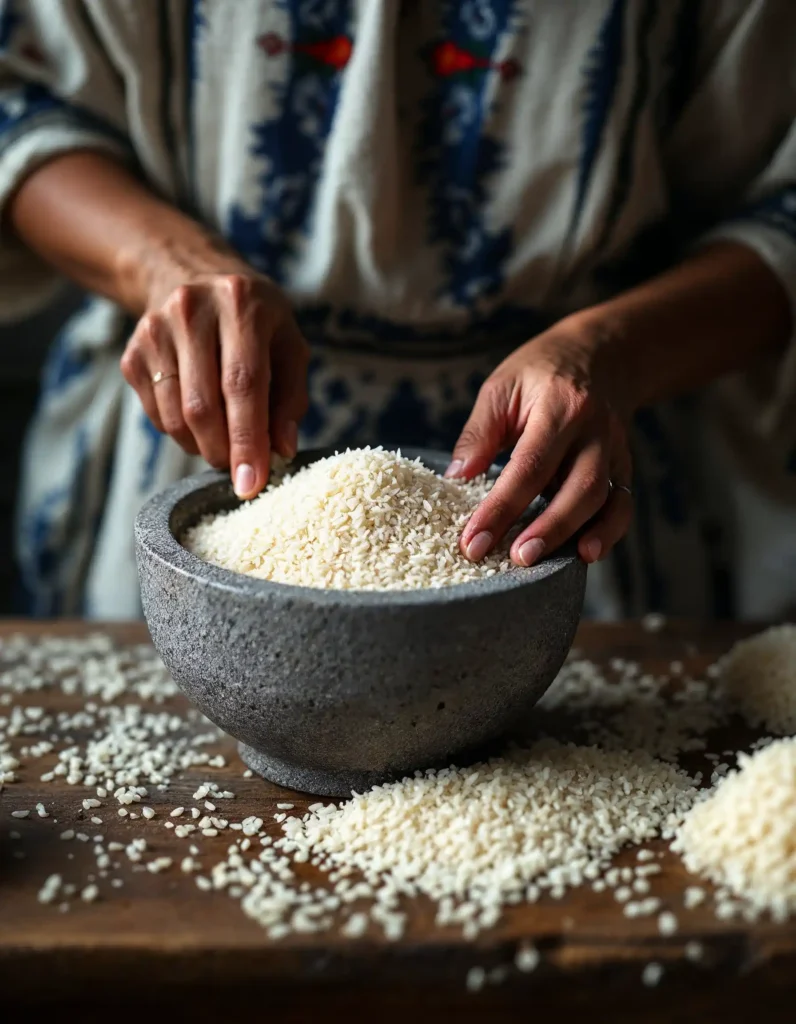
(329, 691)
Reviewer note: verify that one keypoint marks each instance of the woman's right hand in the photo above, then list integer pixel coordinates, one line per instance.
(220, 365)
(216, 358)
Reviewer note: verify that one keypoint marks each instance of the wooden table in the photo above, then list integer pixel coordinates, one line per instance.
(160, 946)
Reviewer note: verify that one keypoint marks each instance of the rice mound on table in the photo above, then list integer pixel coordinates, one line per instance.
(366, 519)
(759, 675)
(743, 836)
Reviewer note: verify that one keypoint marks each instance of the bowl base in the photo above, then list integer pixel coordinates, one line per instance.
(309, 780)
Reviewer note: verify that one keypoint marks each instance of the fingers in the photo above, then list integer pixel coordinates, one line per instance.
(483, 435)
(613, 521)
(608, 528)
(212, 343)
(151, 351)
(289, 361)
(195, 331)
(533, 464)
(137, 374)
(583, 493)
(244, 330)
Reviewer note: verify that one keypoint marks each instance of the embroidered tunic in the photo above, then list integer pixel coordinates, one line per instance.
(432, 182)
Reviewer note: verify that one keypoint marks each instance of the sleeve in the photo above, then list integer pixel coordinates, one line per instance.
(731, 164)
(58, 93)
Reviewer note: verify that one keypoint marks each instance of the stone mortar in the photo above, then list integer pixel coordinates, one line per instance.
(329, 691)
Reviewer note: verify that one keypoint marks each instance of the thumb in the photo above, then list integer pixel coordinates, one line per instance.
(483, 434)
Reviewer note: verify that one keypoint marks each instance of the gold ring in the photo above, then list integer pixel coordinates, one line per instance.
(613, 486)
(160, 376)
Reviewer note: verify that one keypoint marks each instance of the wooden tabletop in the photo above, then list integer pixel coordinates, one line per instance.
(158, 944)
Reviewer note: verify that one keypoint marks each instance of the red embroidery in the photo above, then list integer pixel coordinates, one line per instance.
(450, 59)
(334, 53)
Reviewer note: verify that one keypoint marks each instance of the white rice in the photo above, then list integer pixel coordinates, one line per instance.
(477, 838)
(759, 674)
(743, 836)
(474, 840)
(366, 519)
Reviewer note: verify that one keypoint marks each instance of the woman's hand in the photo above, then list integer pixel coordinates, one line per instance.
(216, 357)
(556, 401)
(220, 365)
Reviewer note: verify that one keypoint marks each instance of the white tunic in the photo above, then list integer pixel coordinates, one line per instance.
(432, 182)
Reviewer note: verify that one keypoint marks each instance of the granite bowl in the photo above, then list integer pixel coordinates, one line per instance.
(333, 691)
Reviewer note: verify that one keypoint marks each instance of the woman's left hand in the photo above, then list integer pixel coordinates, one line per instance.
(559, 401)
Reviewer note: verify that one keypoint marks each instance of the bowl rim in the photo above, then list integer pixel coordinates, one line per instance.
(154, 536)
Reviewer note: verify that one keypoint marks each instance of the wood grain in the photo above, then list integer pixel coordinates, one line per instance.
(159, 942)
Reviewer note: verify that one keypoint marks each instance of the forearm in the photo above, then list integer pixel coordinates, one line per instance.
(714, 314)
(89, 217)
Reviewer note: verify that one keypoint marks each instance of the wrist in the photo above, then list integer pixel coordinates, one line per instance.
(603, 337)
(165, 254)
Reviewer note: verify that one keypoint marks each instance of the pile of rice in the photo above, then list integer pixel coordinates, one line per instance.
(366, 519)
(759, 675)
(502, 832)
(743, 836)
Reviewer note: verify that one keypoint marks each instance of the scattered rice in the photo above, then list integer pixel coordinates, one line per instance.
(527, 958)
(531, 824)
(474, 839)
(694, 897)
(652, 974)
(366, 519)
(743, 835)
(50, 890)
(476, 979)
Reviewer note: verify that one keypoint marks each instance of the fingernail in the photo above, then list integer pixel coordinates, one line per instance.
(593, 550)
(290, 437)
(455, 468)
(479, 546)
(531, 551)
(244, 480)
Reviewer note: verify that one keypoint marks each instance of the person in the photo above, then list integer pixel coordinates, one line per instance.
(478, 225)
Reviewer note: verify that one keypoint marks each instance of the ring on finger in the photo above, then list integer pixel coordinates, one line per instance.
(161, 376)
(614, 486)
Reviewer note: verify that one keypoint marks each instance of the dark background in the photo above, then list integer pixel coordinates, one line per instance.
(23, 347)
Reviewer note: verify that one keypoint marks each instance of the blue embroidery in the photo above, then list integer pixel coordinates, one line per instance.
(456, 158)
(19, 106)
(405, 419)
(777, 211)
(292, 143)
(154, 442)
(63, 365)
(601, 76)
(196, 23)
(66, 360)
(505, 327)
(405, 415)
(338, 392)
(314, 421)
(46, 538)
